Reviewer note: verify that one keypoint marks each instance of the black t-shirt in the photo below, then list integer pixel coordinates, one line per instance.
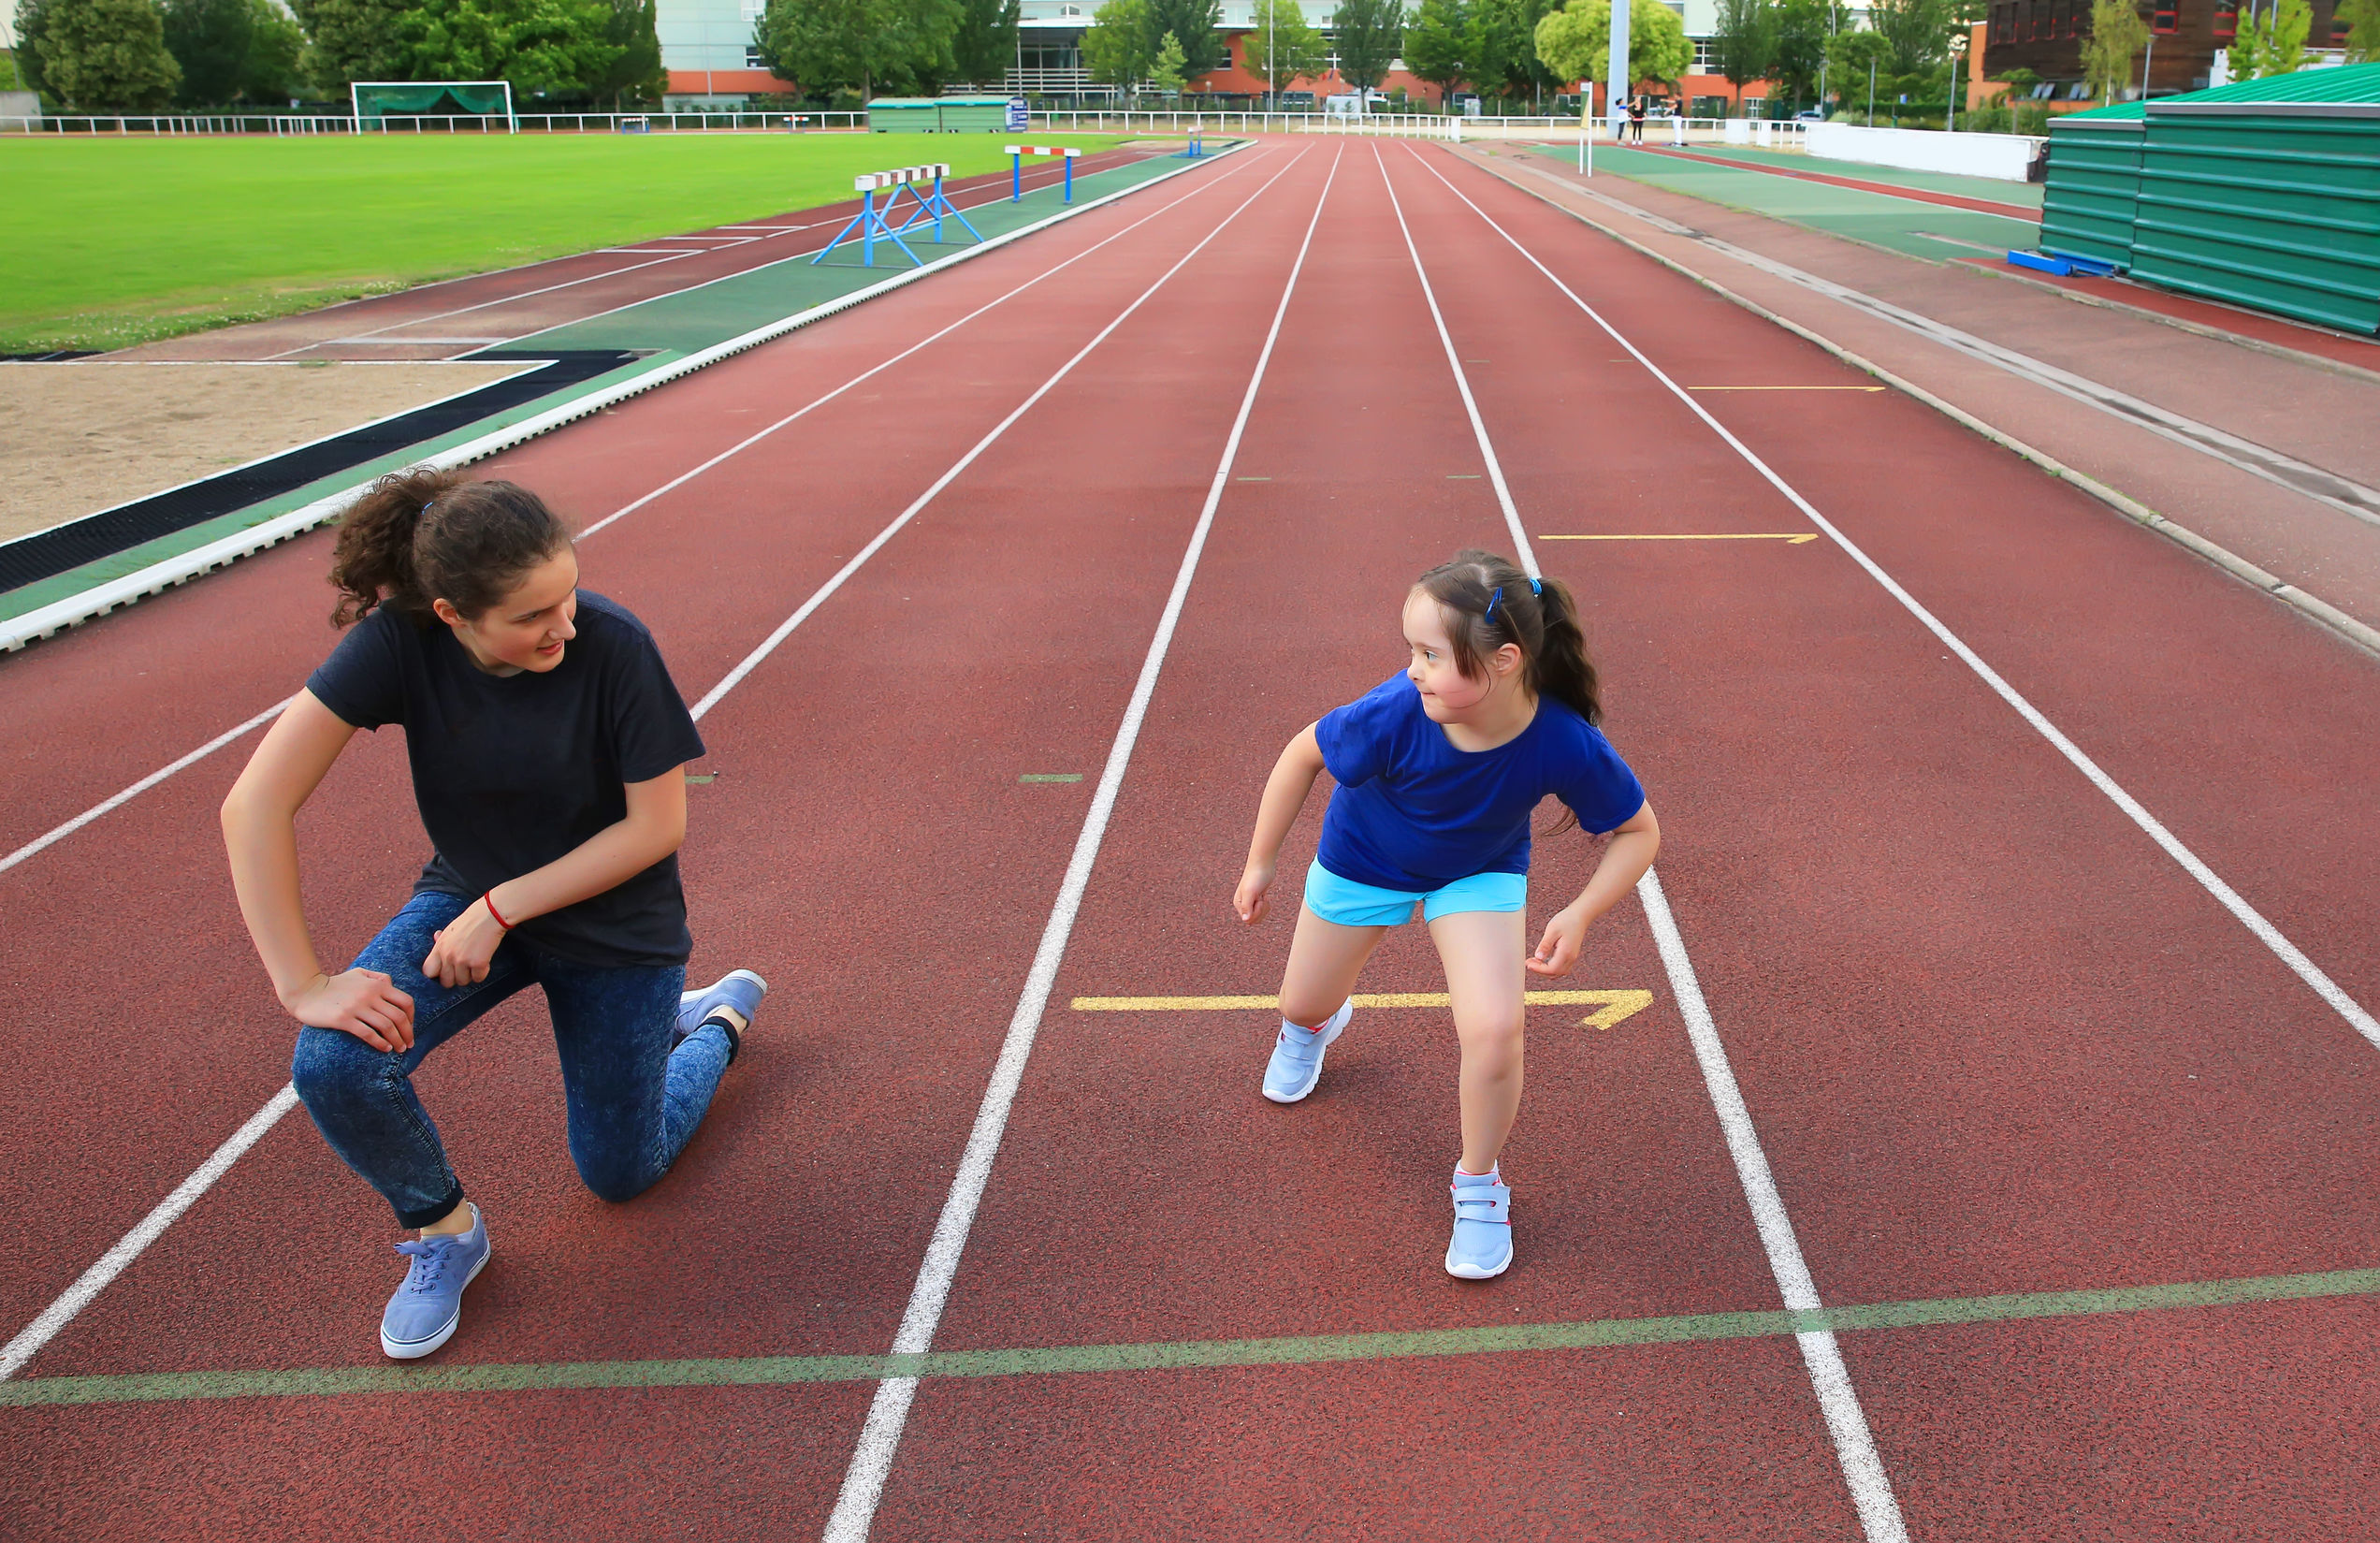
(511, 772)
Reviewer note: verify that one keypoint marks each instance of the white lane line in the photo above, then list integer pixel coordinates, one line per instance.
(888, 1412)
(87, 816)
(79, 1295)
(75, 1298)
(2357, 1018)
(96, 810)
(1863, 1468)
(769, 645)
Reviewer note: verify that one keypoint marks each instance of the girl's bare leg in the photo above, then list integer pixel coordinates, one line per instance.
(1482, 952)
(1325, 958)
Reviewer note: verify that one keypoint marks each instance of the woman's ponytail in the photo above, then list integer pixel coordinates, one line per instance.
(1563, 671)
(426, 535)
(372, 563)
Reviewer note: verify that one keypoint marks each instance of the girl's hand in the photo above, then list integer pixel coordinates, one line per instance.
(1565, 935)
(1249, 899)
(362, 1002)
(461, 955)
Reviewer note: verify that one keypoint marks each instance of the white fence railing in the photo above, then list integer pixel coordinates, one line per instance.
(804, 120)
(1659, 131)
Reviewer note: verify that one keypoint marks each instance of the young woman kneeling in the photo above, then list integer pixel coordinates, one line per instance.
(548, 748)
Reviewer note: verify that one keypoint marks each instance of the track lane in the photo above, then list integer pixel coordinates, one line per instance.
(711, 583)
(1147, 1191)
(1996, 1038)
(987, 645)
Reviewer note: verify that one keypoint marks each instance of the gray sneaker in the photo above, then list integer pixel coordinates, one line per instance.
(741, 989)
(424, 1313)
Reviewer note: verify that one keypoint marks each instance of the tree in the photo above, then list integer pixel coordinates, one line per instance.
(1576, 42)
(209, 40)
(107, 55)
(1196, 26)
(1743, 43)
(2363, 30)
(33, 20)
(276, 56)
(636, 75)
(1368, 34)
(1916, 33)
(1165, 72)
(544, 47)
(2273, 43)
(986, 43)
(2117, 32)
(1853, 59)
(1501, 51)
(1436, 40)
(1279, 45)
(1803, 27)
(1120, 46)
(349, 40)
(858, 44)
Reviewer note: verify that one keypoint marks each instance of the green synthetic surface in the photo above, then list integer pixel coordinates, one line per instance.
(1294, 1350)
(1989, 189)
(1935, 232)
(666, 328)
(696, 318)
(113, 241)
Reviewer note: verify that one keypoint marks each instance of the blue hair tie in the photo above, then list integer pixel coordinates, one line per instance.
(1536, 587)
(1490, 615)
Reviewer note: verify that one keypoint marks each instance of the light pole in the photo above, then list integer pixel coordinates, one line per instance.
(1958, 52)
(1617, 70)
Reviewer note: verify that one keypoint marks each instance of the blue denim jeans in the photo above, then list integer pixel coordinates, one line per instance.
(632, 1101)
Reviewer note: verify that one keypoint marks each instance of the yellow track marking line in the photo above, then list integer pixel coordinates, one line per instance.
(1613, 1007)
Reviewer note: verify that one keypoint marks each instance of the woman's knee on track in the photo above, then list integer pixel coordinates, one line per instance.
(332, 1069)
(614, 1177)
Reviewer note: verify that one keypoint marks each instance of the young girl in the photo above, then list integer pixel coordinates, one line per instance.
(1438, 769)
(548, 748)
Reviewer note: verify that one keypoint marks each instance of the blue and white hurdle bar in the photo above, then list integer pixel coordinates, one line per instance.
(871, 222)
(1196, 148)
(1016, 166)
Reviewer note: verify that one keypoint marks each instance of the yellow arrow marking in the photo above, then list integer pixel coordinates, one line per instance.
(1612, 1007)
(1792, 538)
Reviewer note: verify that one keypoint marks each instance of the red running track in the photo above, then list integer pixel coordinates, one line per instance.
(1991, 1038)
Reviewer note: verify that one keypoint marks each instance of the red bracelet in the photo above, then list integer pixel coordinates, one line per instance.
(488, 900)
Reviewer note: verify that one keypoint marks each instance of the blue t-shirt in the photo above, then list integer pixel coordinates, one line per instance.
(1414, 813)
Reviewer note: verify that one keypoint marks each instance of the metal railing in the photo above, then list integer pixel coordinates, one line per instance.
(1780, 134)
(167, 124)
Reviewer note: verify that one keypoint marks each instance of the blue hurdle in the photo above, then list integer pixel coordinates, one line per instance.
(1016, 166)
(873, 222)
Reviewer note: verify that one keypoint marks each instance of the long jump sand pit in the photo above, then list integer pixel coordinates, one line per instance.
(80, 436)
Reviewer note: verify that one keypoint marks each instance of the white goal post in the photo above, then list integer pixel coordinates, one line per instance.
(371, 100)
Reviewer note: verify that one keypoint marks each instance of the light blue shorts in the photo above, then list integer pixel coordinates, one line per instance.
(1353, 905)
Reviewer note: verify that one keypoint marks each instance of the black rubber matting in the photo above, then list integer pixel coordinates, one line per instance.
(45, 554)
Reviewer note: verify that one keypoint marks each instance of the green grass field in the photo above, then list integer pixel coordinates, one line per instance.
(118, 242)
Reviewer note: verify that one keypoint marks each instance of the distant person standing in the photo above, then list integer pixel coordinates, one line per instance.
(1636, 111)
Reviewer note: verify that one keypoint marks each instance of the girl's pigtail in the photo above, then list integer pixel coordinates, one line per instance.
(372, 563)
(1563, 670)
